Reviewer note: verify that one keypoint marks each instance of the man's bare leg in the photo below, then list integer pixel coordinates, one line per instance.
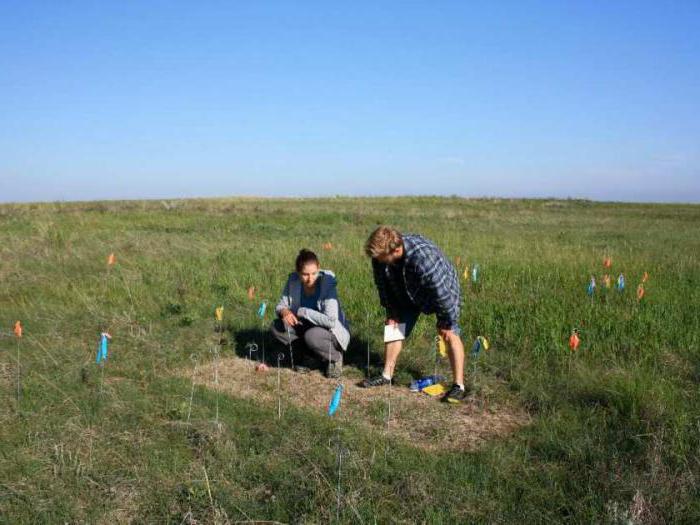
(391, 354)
(456, 355)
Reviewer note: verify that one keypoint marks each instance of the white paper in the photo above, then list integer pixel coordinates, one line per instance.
(394, 332)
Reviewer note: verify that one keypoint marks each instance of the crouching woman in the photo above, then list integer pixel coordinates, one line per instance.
(310, 317)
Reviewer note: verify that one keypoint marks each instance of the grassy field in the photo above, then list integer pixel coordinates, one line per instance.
(607, 434)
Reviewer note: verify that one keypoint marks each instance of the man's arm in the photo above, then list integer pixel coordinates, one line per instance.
(385, 297)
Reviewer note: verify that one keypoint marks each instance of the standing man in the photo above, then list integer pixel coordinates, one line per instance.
(413, 276)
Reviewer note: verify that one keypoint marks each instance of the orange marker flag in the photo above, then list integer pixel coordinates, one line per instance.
(327, 245)
(458, 261)
(111, 259)
(251, 293)
(640, 292)
(574, 341)
(18, 329)
(607, 262)
(645, 277)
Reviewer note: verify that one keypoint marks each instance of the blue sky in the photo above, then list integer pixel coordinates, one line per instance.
(108, 100)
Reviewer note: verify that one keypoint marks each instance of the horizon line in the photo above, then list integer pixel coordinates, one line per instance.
(346, 196)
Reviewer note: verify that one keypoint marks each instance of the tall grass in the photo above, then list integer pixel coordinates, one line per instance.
(615, 425)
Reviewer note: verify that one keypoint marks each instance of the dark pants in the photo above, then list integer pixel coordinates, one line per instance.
(319, 342)
(409, 315)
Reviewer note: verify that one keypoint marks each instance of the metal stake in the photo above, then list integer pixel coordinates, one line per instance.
(280, 356)
(193, 358)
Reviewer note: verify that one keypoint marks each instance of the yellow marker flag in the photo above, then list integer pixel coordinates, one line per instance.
(442, 347)
(484, 342)
(219, 313)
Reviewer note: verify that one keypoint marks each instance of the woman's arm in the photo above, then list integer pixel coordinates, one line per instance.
(329, 316)
(325, 319)
(285, 302)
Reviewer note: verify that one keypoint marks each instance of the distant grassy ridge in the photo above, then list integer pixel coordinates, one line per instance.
(615, 432)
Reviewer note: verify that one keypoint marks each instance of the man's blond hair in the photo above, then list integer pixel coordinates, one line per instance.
(383, 241)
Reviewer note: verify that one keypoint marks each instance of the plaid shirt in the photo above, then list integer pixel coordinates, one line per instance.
(424, 278)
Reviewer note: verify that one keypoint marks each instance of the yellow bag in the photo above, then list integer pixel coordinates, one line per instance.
(434, 390)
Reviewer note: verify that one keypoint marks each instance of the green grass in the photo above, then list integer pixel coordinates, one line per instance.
(615, 427)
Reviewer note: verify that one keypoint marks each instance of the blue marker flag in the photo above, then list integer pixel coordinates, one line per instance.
(591, 286)
(621, 283)
(475, 273)
(261, 310)
(476, 348)
(335, 400)
(102, 348)
(480, 343)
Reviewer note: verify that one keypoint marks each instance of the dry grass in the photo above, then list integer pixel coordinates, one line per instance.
(418, 419)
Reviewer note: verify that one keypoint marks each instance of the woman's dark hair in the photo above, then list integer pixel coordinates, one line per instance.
(305, 257)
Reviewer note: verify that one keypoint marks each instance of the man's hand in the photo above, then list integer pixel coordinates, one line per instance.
(446, 334)
(289, 317)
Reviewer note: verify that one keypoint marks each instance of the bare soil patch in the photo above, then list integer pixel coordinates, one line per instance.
(416, 418)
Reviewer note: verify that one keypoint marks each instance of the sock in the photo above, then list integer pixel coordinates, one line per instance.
(386, 376)
(461, 386)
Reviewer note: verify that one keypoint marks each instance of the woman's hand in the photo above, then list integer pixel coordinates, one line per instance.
(289, 317)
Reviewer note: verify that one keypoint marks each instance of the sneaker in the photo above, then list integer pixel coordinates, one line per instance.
(375, 381)
(454, 395)
(302, 369)
(334, 369)
(306, 365)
